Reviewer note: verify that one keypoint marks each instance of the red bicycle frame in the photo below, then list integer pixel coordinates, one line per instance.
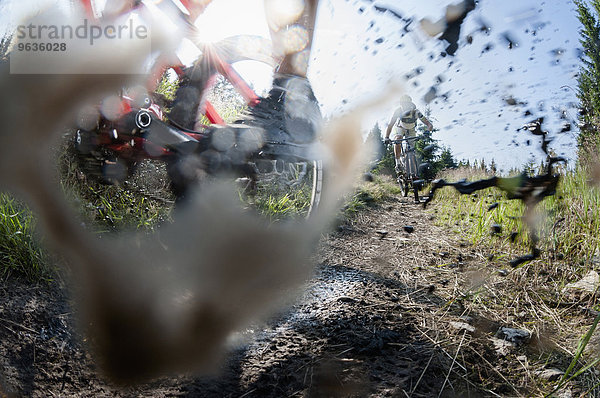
(134, 148)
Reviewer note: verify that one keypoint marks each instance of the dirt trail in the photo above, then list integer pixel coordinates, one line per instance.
(373, 321)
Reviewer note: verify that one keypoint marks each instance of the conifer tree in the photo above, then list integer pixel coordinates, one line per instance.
(588, 79)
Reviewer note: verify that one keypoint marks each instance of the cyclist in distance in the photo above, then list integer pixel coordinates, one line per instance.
(403, 124)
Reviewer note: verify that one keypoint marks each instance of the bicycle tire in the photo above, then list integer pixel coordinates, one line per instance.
(406, 188)
(287, 193)
(416, 192)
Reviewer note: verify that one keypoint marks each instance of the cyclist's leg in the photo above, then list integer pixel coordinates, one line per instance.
(289, 113)
(400, 165)
(295, 57)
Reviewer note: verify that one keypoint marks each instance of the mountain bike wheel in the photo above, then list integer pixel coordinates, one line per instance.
(416, 191)
(405, 187)
(284, 189)
(402, 183)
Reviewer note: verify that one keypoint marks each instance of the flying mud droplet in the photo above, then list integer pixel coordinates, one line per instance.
(112, 107)
(455, 16)
(513, 236)
(432, 28)
(291, 40)
(251, 139)
(510, 41)
(223, 138)
(430, 95)
(281, 13)
(87, 118)
(392, 12)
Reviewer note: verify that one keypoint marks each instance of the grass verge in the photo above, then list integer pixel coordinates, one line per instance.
(534, 296)
(370, 193)
(21, 249)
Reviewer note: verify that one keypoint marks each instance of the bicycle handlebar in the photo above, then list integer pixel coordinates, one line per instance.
(402, 140)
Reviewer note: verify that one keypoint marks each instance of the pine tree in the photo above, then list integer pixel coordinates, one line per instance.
(375, 139)
(588, 79)
(482, 165)
(493, 167)
(447, 160)
(385, 154)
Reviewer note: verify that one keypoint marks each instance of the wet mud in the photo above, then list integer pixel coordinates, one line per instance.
(375, 320)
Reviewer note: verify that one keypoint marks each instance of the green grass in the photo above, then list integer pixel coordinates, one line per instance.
(369, 194)
(21, 250)
(167, 88)
(141, 203)
(277, 208)
(574, 215)
(568, 225)
(568, 222)
(102, 209)
(468, 215)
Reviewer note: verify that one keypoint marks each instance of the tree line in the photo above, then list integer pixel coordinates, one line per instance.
(588, 78)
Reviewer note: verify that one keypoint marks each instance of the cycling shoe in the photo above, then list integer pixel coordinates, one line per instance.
(289, 117)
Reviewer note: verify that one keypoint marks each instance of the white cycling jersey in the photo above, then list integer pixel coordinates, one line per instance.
(406, 117)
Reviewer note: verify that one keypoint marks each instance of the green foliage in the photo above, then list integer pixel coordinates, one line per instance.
(569, 221)
(370, 194)
(278, 206)
(588, 79)
(141, 203)
(375, 139)
(446, 160)
(167, 87)
(583, 342)
(21, 251)
(384, 153)
(226, 100)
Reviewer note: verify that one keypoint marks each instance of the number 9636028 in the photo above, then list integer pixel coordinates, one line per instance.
(42, 47)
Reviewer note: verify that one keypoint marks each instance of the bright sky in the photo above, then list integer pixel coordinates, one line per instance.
(349, 65)
(359, 52)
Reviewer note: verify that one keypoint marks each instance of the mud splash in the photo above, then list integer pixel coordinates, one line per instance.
(530, 190)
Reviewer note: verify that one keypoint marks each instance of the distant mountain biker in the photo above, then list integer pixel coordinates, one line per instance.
(403, 124)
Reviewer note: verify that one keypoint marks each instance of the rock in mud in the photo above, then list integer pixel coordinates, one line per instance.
(550, 374)
(462, 326)
(515, 336)
(382, 233)
(587, 285)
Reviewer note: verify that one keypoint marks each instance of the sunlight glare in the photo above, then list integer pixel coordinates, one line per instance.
(281, 13)
(226, 18)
